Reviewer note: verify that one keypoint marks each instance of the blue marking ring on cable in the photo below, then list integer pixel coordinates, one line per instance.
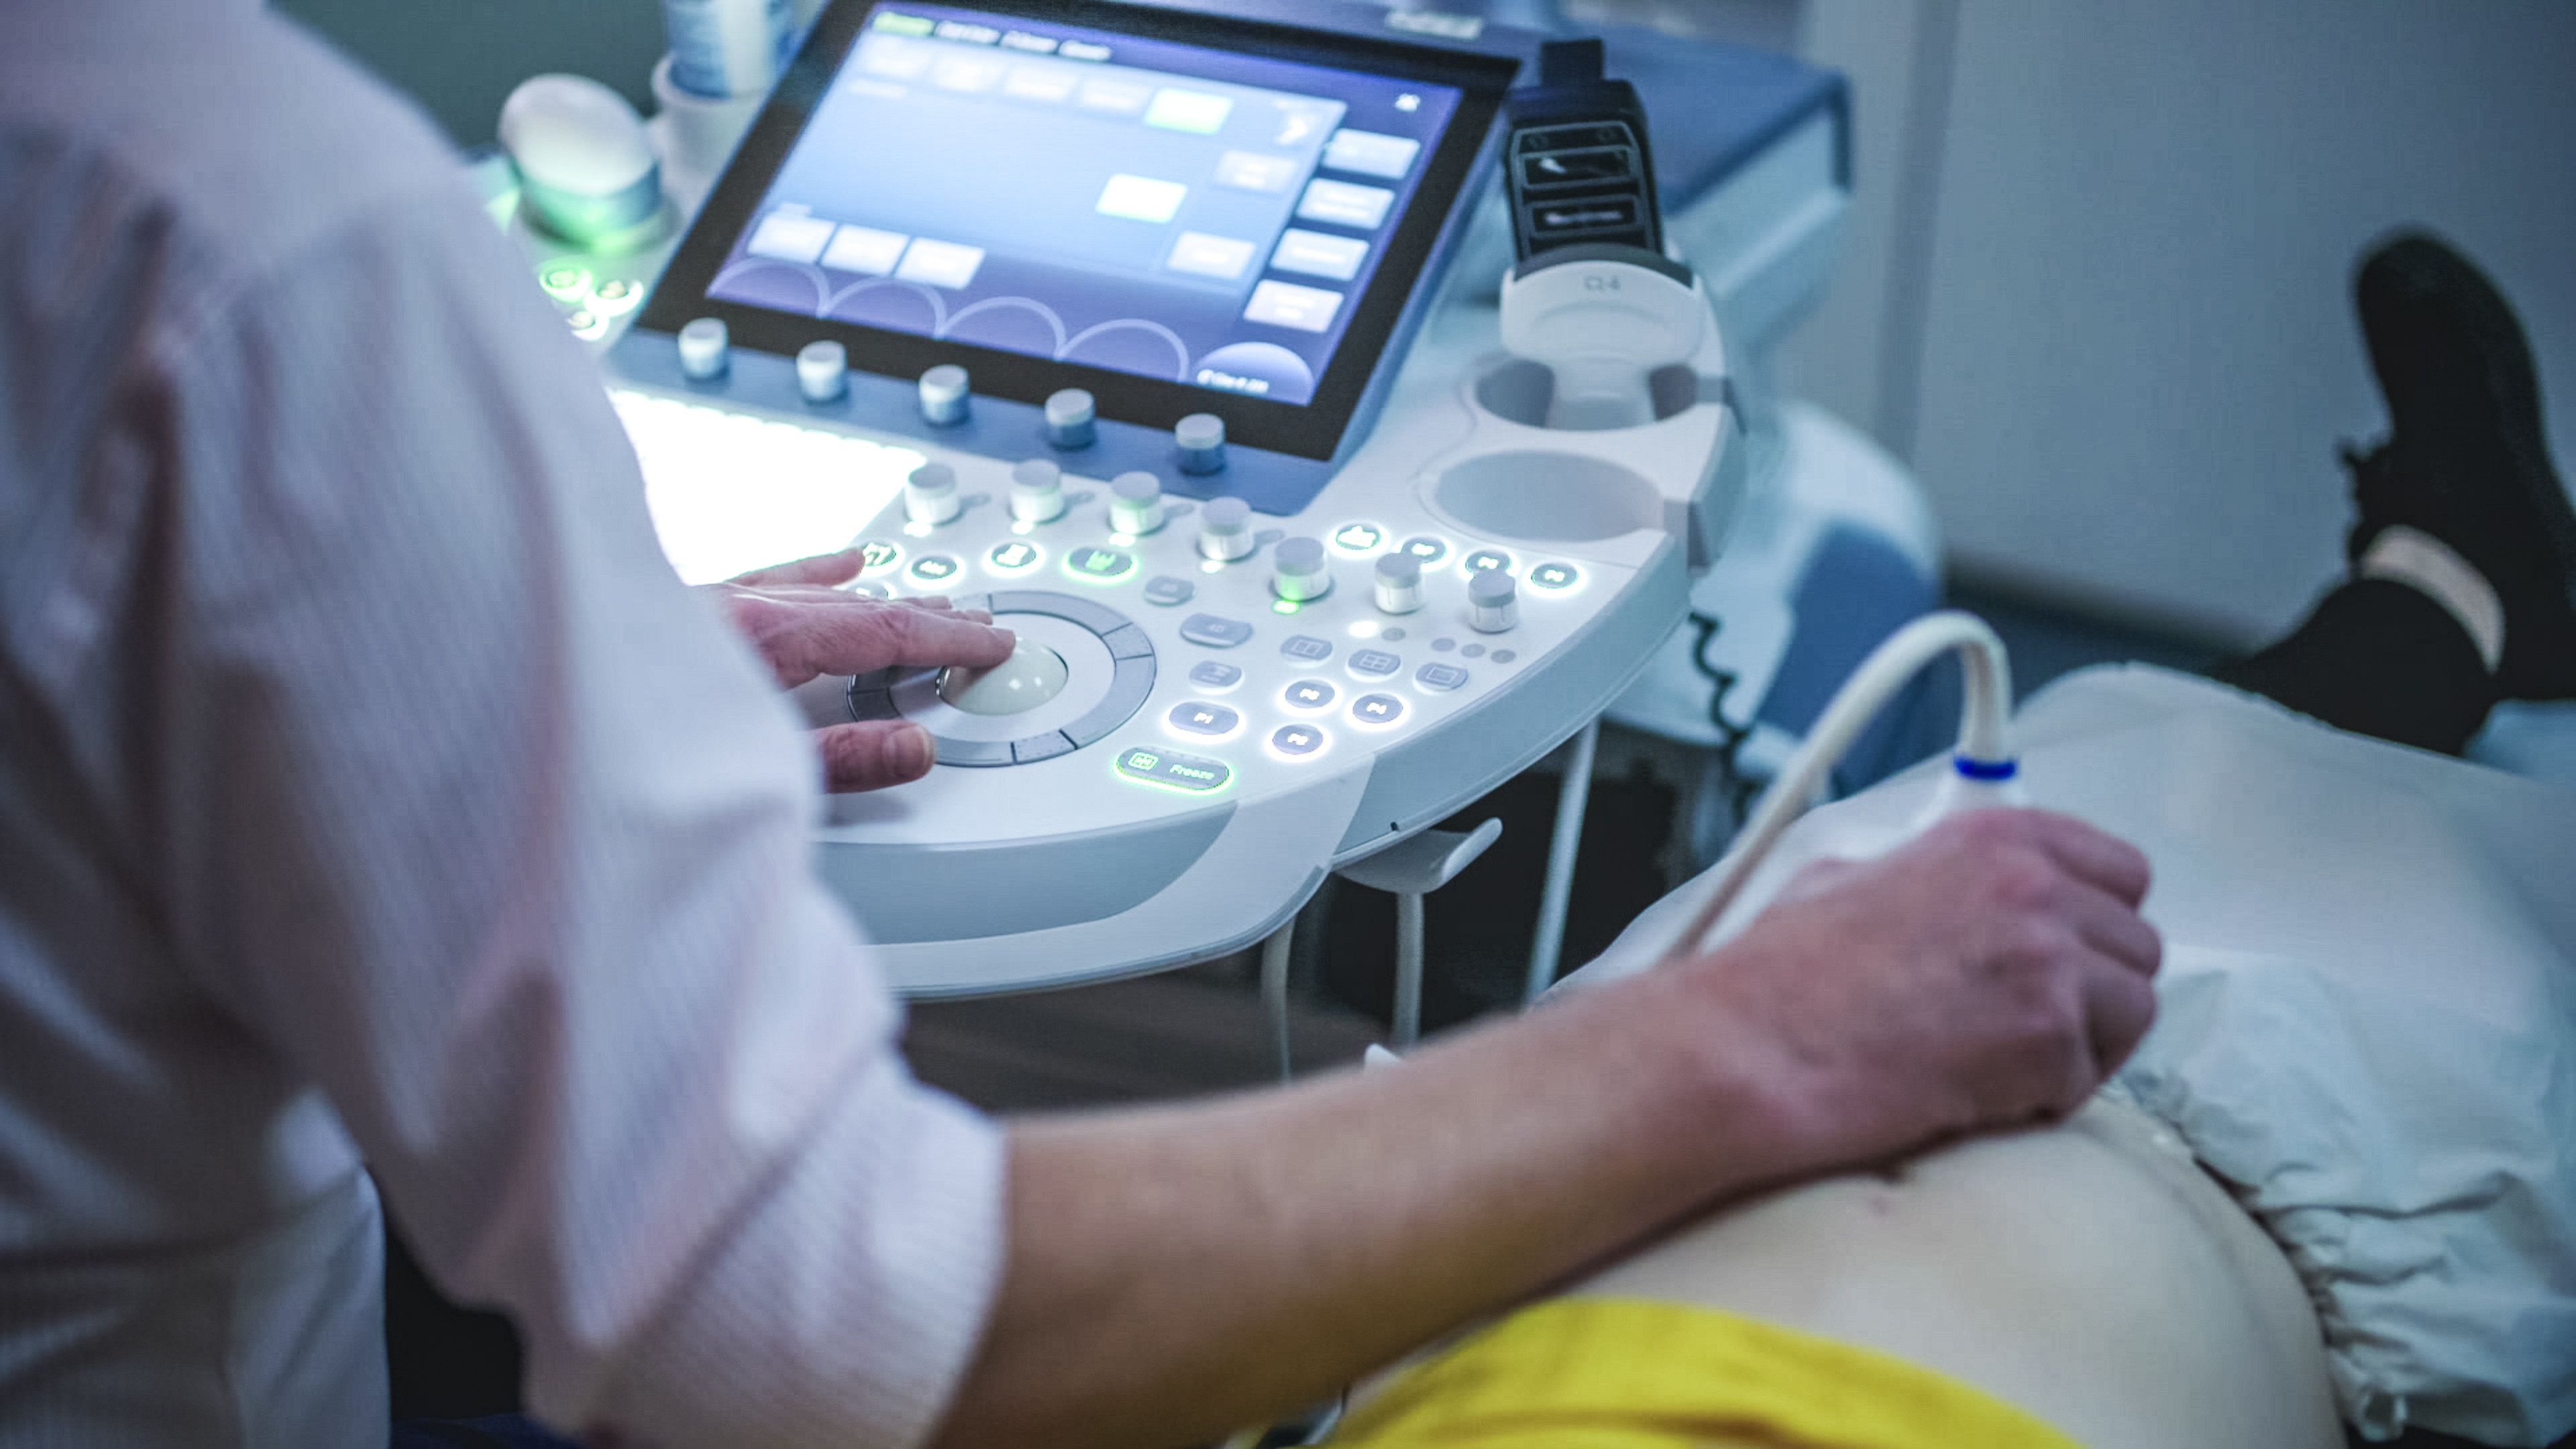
(1988, 770)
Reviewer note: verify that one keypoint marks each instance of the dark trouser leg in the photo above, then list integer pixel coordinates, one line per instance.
(2377, 658)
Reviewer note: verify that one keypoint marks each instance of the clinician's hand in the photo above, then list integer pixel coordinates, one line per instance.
(1989, 973)
(805, 627)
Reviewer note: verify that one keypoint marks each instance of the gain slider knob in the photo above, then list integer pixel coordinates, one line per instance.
(706, 349)
(930, 494)
(1399, 582)
(944, 392)
(1492, 601)
(823, 371)
(1136, 503)
(1225, 530)
(1037, 491)
(1199, 439)
(1071, 419)
(1299, 572)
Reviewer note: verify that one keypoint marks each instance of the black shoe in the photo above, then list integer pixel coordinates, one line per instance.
(2465, 459)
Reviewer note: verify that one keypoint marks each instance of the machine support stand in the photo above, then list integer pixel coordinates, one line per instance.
(1410, 870)
(1274, 990)
(1571, 799)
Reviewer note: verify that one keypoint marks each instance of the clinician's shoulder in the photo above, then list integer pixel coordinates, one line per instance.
(236, 135)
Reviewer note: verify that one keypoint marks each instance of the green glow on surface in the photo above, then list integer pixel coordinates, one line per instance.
(615, 297)
(565, 281)
(1154, 757)
(1283, 606)
(1094, 576)
(901, 24)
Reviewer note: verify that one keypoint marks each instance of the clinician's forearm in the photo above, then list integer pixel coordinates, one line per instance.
(1176, 1274)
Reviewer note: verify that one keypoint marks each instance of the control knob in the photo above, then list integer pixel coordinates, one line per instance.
(823, 371)
(1299, 573)
(705, 349)
(930, 494)
(1492, 602)
(1070, 416)
(944, 393)
(1225, 530)
(1399, 582)
(1136, 503)
(1037, 491)
(1200, 439)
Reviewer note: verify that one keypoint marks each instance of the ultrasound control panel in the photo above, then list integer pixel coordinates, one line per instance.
(1257, 637)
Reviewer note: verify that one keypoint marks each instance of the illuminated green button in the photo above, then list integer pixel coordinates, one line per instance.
(1553, 576)
(615, 297)
(1359, 537)
(586, 324)
(877, 555)
(937, 568)
(1196, 773)
(1489, 560)
(1098, 563)
(1013, 554)
(565, 281)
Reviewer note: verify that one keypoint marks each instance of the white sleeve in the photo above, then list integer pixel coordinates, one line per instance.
(489, 826)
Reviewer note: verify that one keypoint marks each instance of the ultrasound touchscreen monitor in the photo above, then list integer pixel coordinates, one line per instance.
(1179, 212)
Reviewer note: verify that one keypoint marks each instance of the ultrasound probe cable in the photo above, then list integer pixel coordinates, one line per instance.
(1982, 773)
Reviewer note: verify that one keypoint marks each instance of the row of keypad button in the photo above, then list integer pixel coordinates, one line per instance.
(1199, 717)
(1314, 693)
(1199, 774)
(1013, 555)
(1018, 556)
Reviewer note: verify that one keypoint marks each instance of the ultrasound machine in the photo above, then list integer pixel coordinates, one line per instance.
(1126, 322)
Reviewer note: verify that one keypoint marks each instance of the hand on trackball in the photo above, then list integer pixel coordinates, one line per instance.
(805, 627)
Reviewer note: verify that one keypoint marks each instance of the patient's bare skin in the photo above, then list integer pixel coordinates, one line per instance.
(2090, 1274)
